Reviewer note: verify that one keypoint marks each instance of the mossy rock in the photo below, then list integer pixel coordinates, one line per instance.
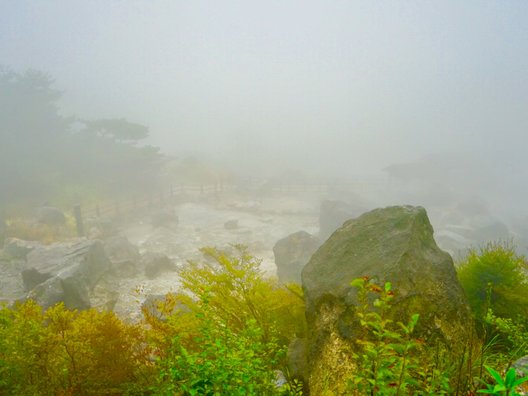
(393, 244)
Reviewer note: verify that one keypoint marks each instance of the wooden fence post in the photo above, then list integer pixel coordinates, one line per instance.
(78, 220)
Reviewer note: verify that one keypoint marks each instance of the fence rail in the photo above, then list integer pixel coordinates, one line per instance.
(177, 192)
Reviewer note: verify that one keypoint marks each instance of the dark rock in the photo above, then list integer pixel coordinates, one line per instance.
(31, 278)
(231, 225)
(70, 290)
(156, 264)
(50, 216)
(393, 244)
(292, 253)
(71, 271)
(19, 248)
(124, 256)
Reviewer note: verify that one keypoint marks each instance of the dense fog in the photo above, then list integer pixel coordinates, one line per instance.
(425, 102)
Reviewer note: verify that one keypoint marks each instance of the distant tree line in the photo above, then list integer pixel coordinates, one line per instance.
(45, 155)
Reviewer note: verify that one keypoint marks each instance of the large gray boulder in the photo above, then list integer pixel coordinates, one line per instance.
(65, 272)
(393, 244)
(292, 253)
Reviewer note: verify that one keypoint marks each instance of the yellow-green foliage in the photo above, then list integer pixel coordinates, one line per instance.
(494, 277)
(63, 352)
(237, 292)
(173, 319)
(22, 229)
(226, 333)
(228, 330)
(229, 325)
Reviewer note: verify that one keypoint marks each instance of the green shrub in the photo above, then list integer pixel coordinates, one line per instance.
(228, 330)
(22, 229)
(494, 277)
(503, 386)
(64, 352)
(223, 363)
(389, 359)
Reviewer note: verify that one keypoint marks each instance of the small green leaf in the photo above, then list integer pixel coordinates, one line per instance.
(495, 375)
(358, 282)
(510, 378)
(499, 388)
(520, 381)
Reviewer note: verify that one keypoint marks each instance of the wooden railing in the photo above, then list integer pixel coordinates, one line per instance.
(183, 191)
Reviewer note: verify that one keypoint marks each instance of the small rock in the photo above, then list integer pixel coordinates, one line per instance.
(32, 278)
(156, 264)
(124, 256)
(19, 248)
(292, 253)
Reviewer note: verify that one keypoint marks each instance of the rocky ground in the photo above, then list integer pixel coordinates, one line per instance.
(256, 225)
(179, 230)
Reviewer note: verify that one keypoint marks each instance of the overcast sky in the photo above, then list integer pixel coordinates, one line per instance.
(324, 84)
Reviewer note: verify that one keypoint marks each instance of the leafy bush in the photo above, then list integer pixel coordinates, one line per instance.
(389, 360)
(22, 229)
(228, 329)
(494, 277)
(226, 333)
(225, 363)
(68, 352)
(503, 386)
